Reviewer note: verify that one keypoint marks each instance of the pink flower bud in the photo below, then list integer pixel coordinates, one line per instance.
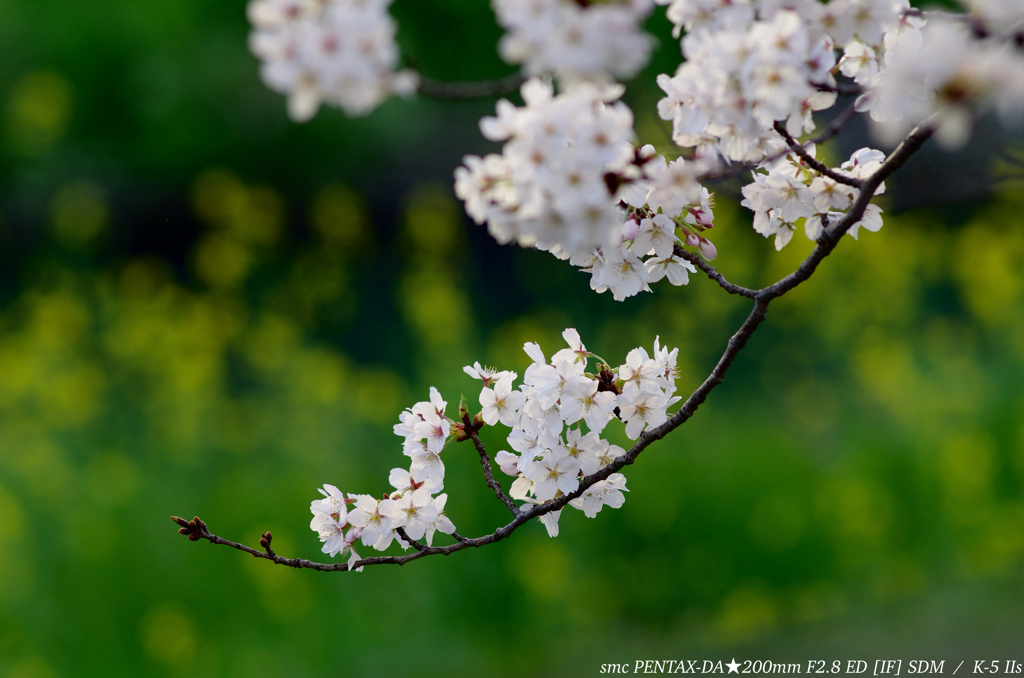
(707, 250)
(692, 240)
(702, 217)
(630, 229)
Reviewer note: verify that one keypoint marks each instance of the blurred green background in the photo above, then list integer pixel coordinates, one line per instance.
(205, 309)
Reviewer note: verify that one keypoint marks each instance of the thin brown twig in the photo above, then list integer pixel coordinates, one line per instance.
(470, 90)
(846, 89)
(712, 273)
(400, 531)
(472, 430)
(196, 529)
(833, 128)
(816, 165)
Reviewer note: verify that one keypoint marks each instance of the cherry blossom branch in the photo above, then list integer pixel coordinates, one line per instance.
(832, 129)
(436, 89)
(712, 273)
(400, 531)
(816, 165)
(196, 529)
(831, 236)
(472, 429)
(846, 89)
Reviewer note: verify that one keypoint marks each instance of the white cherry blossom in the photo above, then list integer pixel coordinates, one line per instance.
(336, 52)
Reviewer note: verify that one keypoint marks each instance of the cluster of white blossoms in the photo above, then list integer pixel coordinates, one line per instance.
(338, 52)
(750, 64)
(789, 191)
(1002, 17)
(412, 505)
(575, 40)
(944, 69)
(556, 416)
(548, 188)
(742, 75)
(559, 412)
(570, 181)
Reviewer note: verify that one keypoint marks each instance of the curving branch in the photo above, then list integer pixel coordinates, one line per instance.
(816, 165)
(196, 529)
(832, 129)
(830, 237)
(712, 273)
(472, 429)
(845, 89)
(449, 91)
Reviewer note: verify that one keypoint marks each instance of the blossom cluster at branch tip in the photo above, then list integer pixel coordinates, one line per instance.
(556, 417)
(789, 191)
(336, 52)
(599, 42)
(569, 181)
(559, 412)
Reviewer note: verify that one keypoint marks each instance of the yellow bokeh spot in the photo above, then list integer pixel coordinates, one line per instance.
(888, 371)
(899, 579)
(339, 217)
(284, 592)
(317, 277)
(857, 510)
(269, 344)
(433, 304)
(542, 568)
(214, 195)
(816, 602)
(222, 261)
(377, 394)
(253, 214)
(38, 112)
(988, 267)
(433, 224)
(31, 667)
(79, 213)
(141, 278)
(965, 467)
(12, 523)
(57, 320)
(747, 612)
(318, 377)
(168, 634)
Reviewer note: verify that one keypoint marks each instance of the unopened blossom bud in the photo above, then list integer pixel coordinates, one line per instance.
(707, 250)
(630, 229)
(692, 240)
(702, 217)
